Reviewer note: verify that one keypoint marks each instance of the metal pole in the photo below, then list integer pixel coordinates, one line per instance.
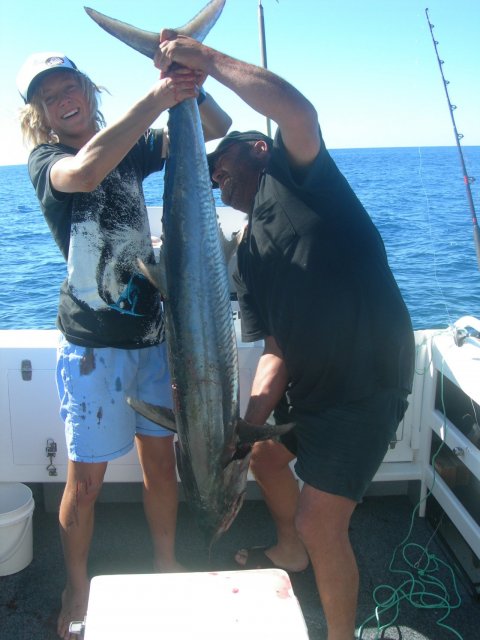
(263, 50)
(458, 136)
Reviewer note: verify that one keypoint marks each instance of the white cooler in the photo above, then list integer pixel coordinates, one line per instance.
(255, 604)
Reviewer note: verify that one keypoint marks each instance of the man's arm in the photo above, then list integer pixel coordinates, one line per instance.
(215, 121)
(269, 383)
(102, 153)
(263, 90)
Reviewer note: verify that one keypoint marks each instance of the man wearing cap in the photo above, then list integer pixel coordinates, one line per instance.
(88, 179)
(314, 283)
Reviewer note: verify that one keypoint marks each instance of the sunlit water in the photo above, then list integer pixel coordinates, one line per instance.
(416, 197)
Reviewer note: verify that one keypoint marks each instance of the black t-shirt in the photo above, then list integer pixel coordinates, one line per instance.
(105, 301)
(313, 273)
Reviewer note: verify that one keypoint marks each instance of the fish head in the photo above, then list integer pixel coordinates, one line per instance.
(234, 491)
(216, 496)
(217, 505)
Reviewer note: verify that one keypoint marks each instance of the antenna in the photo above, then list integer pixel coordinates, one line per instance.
(263, 51)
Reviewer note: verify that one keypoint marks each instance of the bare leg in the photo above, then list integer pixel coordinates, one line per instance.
(160, 498)
(322, 522)
(280, 490)
(76, 516)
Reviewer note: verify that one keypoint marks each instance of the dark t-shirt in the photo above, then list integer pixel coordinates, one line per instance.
(105, 301)
(313, 273)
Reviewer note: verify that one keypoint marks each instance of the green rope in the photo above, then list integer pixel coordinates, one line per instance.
(420, 587)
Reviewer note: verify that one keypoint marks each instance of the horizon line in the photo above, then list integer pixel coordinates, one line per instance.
(427, 146)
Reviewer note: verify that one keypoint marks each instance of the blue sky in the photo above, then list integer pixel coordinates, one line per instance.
(368, 66)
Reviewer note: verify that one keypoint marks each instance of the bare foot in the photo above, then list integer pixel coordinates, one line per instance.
(161, 566)
(292, 559)
(74, 607)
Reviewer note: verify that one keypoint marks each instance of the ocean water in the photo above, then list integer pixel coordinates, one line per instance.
(416, 197)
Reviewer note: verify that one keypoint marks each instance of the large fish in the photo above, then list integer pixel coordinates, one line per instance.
(213, 447)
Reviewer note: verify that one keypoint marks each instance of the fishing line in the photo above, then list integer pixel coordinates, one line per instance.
(432, 242)
(420, 345)
(420, 587)
(468, 180)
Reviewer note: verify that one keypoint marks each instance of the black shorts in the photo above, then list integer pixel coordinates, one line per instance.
(339, 449)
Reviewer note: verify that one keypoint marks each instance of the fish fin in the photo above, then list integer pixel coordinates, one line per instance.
(160, 415)
(250, 433)
(155, 273)
(199, 26)
(161, 271)
(147, 42)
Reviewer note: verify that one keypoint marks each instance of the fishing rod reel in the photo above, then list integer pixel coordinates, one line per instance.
(470, 328)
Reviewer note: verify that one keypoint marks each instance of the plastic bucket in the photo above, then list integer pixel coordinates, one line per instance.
(16, 537)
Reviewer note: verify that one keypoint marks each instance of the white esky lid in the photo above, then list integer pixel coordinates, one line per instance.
(36, 65)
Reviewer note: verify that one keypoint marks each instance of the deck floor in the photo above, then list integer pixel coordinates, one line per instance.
(29, 599)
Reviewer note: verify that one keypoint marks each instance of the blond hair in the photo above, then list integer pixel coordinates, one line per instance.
(33, 118)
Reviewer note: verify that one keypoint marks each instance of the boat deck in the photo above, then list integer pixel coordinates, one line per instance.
(29, 599)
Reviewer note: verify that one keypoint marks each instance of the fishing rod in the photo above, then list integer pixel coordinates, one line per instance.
(468, 180)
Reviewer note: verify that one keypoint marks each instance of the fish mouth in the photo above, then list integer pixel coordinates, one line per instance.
(229, 518)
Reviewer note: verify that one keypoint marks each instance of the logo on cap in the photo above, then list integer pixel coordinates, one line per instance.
(54, 60)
